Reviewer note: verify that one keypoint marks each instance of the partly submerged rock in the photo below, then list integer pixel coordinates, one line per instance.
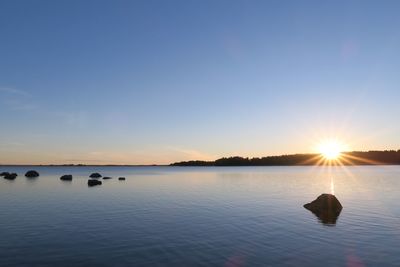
(67, 177)
(31, 174)
(106, 178)
(93, 182)
(326, 207)
(121, 178)
(4, 173)
(95, 175)
(10, 176)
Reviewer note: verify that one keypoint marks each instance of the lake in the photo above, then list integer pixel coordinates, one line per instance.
(199, 216)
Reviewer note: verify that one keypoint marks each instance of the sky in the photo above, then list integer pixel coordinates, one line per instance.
(154, 82)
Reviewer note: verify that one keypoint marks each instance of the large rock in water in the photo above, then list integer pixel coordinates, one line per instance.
(31, 174)
(93, 182)
(95, 175)
(326, 207)
(67, 177)
(10, 176)
(4, 173)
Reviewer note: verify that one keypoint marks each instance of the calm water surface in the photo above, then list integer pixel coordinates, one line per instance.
(191, 216)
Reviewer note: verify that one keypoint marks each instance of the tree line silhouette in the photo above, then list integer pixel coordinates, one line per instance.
(374, 157)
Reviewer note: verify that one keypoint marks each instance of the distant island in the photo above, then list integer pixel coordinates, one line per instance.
(386, 157)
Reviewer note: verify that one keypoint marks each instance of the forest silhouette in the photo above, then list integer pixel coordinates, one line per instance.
(386, 157)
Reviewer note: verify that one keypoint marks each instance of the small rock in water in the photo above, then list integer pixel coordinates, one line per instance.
(4, 173)
(67, 177)
(31, 174)
(106, 178)
(10, 176)
(326, 207)
(93, 182)
(121, 178)
(95, 175)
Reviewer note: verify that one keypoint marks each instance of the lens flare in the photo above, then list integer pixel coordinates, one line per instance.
(331, 149)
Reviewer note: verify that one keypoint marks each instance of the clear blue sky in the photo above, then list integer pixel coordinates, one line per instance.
(159, 81)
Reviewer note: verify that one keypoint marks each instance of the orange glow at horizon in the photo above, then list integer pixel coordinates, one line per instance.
(331, 149)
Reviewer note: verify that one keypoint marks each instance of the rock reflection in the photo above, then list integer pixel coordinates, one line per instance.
(327, 217)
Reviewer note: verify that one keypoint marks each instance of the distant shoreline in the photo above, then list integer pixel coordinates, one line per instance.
(357, 158)
(80, 165)
(209, 166)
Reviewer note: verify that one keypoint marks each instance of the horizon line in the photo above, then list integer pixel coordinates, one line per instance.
(169, 164)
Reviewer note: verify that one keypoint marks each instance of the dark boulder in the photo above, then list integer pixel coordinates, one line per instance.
(106, 178)
(31, 174)
(121, 178)
(93, 182)
(4, 173)
(95, 175)
(10, 176)
(326, 207)
(67, 177)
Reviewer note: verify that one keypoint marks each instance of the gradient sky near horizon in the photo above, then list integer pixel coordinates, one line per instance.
(141, 82)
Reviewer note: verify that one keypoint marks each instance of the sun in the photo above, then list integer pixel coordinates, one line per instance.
(331, 149)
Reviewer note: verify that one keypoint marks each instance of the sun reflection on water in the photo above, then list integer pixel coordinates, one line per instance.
(332, 186)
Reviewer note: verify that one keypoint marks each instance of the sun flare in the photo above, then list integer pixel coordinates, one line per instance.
(331, 149)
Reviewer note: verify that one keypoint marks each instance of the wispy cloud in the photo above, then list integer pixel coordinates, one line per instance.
(77, 118)
(192, 154)
(11, 144)
(13, 91)
(17, 104)
(16, 99)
